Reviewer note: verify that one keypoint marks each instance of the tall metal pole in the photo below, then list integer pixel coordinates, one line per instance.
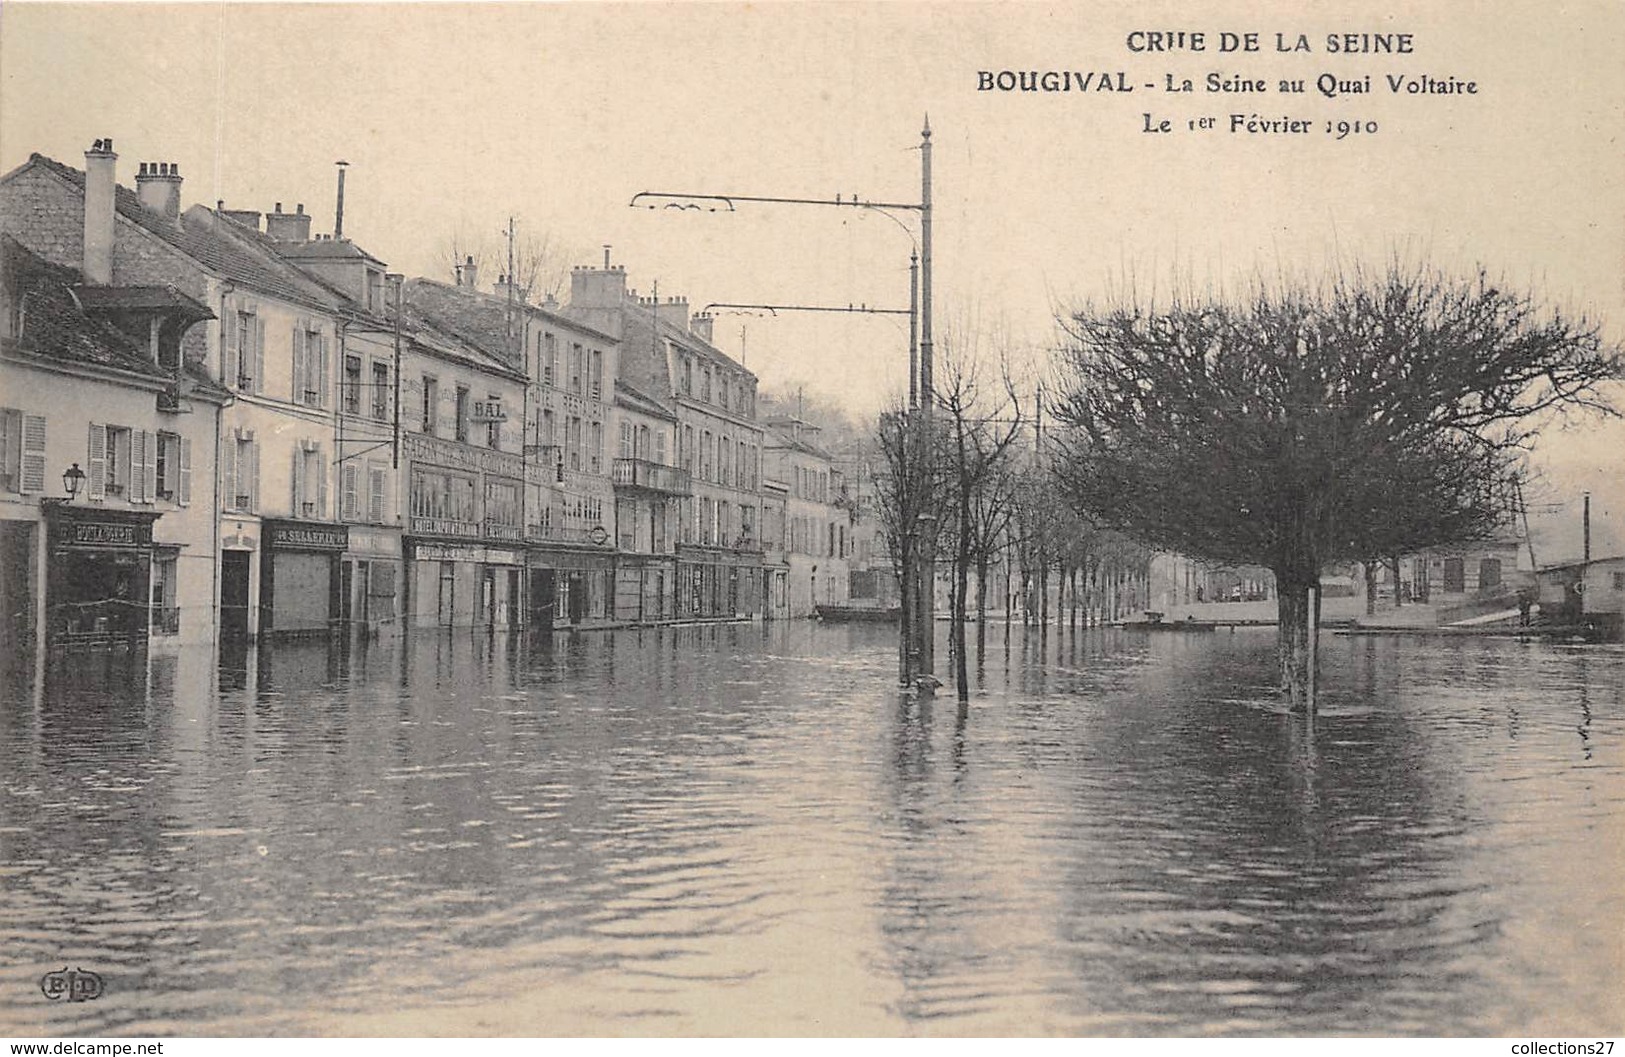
(395, 442)
(927, 400)
(1586, 517)
(913, 331)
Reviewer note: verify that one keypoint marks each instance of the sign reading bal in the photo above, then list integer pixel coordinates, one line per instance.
(488, 411)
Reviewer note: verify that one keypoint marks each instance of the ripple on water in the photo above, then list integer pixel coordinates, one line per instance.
(745, 829)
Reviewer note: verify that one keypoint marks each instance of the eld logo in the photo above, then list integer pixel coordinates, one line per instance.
(75, 985)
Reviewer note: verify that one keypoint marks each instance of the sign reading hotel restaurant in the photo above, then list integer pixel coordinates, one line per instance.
(294, 535)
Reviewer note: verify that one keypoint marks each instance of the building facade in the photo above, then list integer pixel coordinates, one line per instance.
(818, 540)
(666, 352)
(107, 524)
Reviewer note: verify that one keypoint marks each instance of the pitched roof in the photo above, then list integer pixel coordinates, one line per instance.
(321, 249)
(143, 297)
(56, 326)
(630, 396)
(200, 234)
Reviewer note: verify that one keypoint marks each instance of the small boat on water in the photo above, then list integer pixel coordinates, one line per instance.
(1154, 622)
(855, 614)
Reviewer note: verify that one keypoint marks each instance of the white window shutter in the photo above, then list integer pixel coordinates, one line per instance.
(228, 348)
(375, 499)
(348, 488)
(96, 486)
(228, 473)
(321, 483)
(183, 493)
(32, 477)
(259, 353)
(321, 370)
(136, 489)
(294, 477)
(254, 476)
(296, 391)
(151, 490)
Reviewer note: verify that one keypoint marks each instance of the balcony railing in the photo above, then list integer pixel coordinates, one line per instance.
(595, 535)
(166, 620)
(652, 477)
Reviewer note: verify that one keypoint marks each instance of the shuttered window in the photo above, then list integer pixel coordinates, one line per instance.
(348, 491)
(375, 494)
(22, 451)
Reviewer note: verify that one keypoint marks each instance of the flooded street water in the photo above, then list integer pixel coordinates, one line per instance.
(745, 830)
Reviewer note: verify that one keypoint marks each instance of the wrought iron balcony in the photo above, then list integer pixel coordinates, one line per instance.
(652, 477)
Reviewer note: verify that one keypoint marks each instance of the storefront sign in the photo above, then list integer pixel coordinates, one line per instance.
(96, 534)
(294, 535)
(115, 534)
(430, 553)
(488, 411)
(440, 526)
(450, 453)
(372, 541)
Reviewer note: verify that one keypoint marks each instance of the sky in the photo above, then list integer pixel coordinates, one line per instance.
(454, 118)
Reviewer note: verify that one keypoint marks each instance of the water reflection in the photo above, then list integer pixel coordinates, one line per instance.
(746, 829)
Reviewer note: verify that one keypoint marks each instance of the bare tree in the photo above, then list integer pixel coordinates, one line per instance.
(980, 431)
(1375, 413)
(911, 491)
(541, 263)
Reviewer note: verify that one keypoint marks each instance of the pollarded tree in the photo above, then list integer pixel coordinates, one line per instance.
(1374, 413)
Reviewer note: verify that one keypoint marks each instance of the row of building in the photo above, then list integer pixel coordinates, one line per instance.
(219, 425)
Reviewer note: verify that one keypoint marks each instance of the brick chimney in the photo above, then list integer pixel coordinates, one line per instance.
(468, 275)
(598, 287)
(504, 283)
(674, 310)
(700, 325)
(288, 227)
(158, 185)
(101, 184)
(248, 218)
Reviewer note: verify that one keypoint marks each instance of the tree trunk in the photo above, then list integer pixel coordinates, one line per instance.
(1398, 598)
(981, 606)
(1043, 595)
(1370, 588)
(961, 589)
(1293, 651)
(906, 620)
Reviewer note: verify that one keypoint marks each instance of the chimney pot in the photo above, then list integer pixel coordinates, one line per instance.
(300, 208)
(279, 207)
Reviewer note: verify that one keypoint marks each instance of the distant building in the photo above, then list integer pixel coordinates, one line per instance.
(817, 524)
(667, 354)
(1585, 593)
(566, 420)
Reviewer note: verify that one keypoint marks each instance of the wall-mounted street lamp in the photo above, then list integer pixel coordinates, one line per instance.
(73, 479)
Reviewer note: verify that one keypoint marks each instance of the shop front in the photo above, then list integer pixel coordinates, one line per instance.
(98, 578)
(301, 576)
(369, 580)
(464, 585)
(570, 587)
(718, 583)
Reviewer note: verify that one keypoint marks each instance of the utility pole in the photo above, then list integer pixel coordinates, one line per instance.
(918, 620)
(1586, 519)
(396, 279)
(927, 452)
